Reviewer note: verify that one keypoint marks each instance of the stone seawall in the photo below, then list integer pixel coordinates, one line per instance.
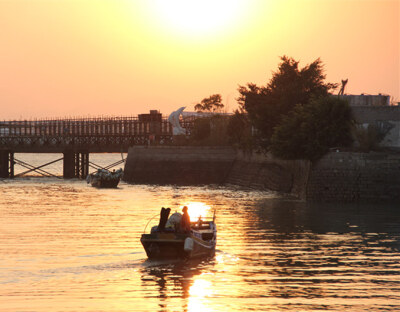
(179, 165)
(214, 165)
(351, 177)
(268, 173)
(337, 177)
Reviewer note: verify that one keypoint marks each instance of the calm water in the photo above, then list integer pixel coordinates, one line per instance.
(65, 246)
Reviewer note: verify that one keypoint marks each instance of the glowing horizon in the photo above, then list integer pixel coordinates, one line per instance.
(85, 58)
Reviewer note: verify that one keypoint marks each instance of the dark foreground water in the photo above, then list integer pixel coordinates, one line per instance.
(65, 246)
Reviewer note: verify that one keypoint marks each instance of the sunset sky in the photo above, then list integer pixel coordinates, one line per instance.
(109, 57)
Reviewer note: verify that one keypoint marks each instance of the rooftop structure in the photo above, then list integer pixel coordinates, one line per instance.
(367, 100)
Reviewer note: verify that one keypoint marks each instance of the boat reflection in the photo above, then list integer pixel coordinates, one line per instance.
(177, 280)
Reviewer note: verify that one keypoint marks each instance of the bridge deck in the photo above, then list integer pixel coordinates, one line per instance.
(112, 134)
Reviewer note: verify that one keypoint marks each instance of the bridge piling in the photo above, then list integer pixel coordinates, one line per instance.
(81, 165)
(76, 164)
(6, 164)
(69, 165)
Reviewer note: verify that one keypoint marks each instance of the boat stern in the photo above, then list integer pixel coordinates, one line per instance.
(164, 245)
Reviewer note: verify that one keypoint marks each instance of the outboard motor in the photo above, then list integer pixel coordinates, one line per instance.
(164, 214)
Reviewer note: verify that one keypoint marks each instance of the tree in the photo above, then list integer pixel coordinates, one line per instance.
(311, 129)
(288, 87)
(239, 130)
(211, 104)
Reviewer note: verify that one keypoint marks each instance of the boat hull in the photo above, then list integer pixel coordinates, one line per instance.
(172, 245)
(112, 183)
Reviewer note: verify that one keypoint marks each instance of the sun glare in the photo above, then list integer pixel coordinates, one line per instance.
(197, 209)
(198, 17)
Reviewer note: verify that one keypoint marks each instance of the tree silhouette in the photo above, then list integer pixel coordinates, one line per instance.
(211, 104)
(288, 87)
(309, 130)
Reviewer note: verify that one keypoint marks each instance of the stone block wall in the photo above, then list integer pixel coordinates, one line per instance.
(184, 165)
(267, 173)
(180, 165)
(350, 177)
(337, 177)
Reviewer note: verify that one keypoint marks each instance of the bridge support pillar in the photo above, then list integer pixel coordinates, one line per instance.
(69, 165)
(81, 165)
(6, 164)
(76, 165)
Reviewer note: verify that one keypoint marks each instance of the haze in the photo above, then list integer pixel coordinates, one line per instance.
(90, 58)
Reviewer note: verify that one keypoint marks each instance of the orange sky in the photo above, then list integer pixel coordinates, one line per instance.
(109, 57)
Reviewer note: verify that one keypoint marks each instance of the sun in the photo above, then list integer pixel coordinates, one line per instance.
(197, 17)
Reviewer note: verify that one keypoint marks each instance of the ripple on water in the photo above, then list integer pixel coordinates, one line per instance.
(66, 246)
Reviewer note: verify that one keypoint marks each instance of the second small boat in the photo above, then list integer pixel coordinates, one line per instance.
(104, 178)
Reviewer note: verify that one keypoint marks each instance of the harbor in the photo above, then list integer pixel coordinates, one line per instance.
(199, 156)
(74, 247)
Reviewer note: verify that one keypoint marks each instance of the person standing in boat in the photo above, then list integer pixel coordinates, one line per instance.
(185, 221)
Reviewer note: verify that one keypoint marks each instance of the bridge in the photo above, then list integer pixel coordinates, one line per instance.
(76, 138)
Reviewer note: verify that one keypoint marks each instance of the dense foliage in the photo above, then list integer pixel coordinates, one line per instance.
(294, 115)
(239, 130)
(289, 86)
(311, 129)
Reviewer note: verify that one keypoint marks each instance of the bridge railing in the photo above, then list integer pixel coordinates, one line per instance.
(115, 126)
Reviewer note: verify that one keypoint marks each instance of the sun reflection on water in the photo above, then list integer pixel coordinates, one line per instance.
(197, 210)
(199, 291)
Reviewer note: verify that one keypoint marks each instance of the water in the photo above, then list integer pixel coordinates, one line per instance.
(66, 246)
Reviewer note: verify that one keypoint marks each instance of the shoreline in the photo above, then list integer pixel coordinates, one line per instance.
(337, 177)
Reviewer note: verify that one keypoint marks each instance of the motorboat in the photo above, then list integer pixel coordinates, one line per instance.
(169, 240)
(104, 178)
